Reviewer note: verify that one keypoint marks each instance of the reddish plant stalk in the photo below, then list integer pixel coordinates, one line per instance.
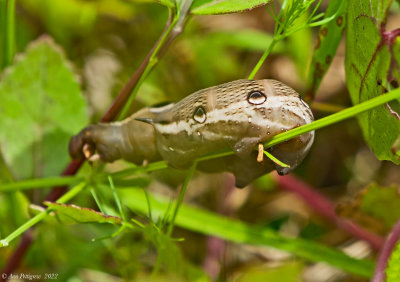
(391, 240)
(326, 208)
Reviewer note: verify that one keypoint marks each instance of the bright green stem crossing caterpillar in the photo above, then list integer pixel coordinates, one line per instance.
(237, 115)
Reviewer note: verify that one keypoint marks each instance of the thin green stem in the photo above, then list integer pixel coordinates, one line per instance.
(71, 193)
(97, 200)
(275, 160)
(39, 183)
(34, 220)
(10, 31)
(174, 29)
(116, 198)
(152, 62)
(181, 196)
(7, 30)
(263, 58)
(335, 118)
(148, 205)
(139, 169)
(39, 217)
(283, 28)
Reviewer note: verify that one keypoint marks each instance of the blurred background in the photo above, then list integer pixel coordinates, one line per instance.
(104, 42)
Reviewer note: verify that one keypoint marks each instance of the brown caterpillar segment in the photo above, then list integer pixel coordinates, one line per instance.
(129, 139)
(237, 115)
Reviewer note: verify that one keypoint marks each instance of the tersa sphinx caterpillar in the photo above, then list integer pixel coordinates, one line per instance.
(237, 115)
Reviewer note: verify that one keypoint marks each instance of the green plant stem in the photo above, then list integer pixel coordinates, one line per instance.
(7, 30)
(152, 62)
(39, 217)
(39, 183)
(10, 31)
(148, 205)
(280, 30)
(335, 118)
(116, 198)
(181, 196)
(175, 28)
(263, 58)
(97, 200)
(139, 169)
(275, 160)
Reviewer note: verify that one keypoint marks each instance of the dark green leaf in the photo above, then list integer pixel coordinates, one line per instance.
(75, 214)
(328, 40)
(367, 71)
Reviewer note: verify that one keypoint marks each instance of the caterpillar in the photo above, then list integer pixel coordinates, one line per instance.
(237, 115)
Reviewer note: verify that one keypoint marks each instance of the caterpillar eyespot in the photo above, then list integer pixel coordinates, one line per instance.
(182, 132)
(256, 98)
(200, 114)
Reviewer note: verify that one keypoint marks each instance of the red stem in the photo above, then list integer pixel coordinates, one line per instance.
(326, 208)
(386, 251)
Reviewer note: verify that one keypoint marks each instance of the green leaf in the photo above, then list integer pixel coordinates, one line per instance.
(377, 201)
(215, 7)
(367, 70)
(393, 268)
(70, 214)
(208, 223)
(328, 40)
(287, 272)
(42, 106)
(293, 13)
(167, 3)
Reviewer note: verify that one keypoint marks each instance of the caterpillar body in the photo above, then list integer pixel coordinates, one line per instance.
(237, 115)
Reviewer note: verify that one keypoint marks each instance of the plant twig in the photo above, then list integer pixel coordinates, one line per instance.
(37, 218)
(7, 29)
(391, 240)
(262, 59)
(14, 261)
(326, 208)
(180, 197)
